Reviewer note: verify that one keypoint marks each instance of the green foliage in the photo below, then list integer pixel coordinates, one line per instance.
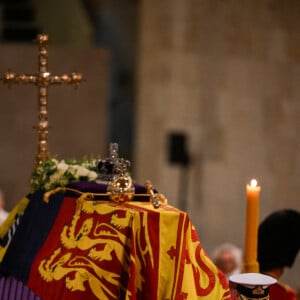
(52, 173)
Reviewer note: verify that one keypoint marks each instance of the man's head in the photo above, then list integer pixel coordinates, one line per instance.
(279, 240)
(228, 258)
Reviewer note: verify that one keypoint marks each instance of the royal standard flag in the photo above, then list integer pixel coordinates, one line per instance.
(68, 249)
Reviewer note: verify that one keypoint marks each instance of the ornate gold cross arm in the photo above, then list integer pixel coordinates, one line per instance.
(10, 77)
(42, 79)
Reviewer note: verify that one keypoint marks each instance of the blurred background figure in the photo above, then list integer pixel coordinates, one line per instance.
(278, 246)
(228, 258)
(3, 212)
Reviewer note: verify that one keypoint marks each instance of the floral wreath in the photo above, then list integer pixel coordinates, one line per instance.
(52, 173)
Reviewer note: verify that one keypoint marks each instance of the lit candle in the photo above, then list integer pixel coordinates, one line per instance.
(252, 216)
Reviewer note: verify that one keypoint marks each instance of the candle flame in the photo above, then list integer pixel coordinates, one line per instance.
(253, 183)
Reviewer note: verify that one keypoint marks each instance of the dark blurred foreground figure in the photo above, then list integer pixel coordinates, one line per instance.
(278, 246)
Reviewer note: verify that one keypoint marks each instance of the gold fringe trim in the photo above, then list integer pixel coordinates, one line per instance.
(10, 220)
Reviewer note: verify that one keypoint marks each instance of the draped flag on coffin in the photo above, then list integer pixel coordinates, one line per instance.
(108, 251)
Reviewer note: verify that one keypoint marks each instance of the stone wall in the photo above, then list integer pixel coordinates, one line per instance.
(225, 74)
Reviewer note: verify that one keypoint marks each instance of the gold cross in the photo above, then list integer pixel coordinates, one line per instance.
(43, 79)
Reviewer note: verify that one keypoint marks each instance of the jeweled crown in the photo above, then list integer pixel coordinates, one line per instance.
(112, 167)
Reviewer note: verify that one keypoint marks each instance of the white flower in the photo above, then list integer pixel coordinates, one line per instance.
(62, 165)
(53, 173)
(82, 171)
(73, 170)
(92, 175)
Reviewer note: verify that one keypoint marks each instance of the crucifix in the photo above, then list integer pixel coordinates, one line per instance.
(43, 79)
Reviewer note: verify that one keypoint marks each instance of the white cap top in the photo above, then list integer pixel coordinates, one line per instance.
(252, 279)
